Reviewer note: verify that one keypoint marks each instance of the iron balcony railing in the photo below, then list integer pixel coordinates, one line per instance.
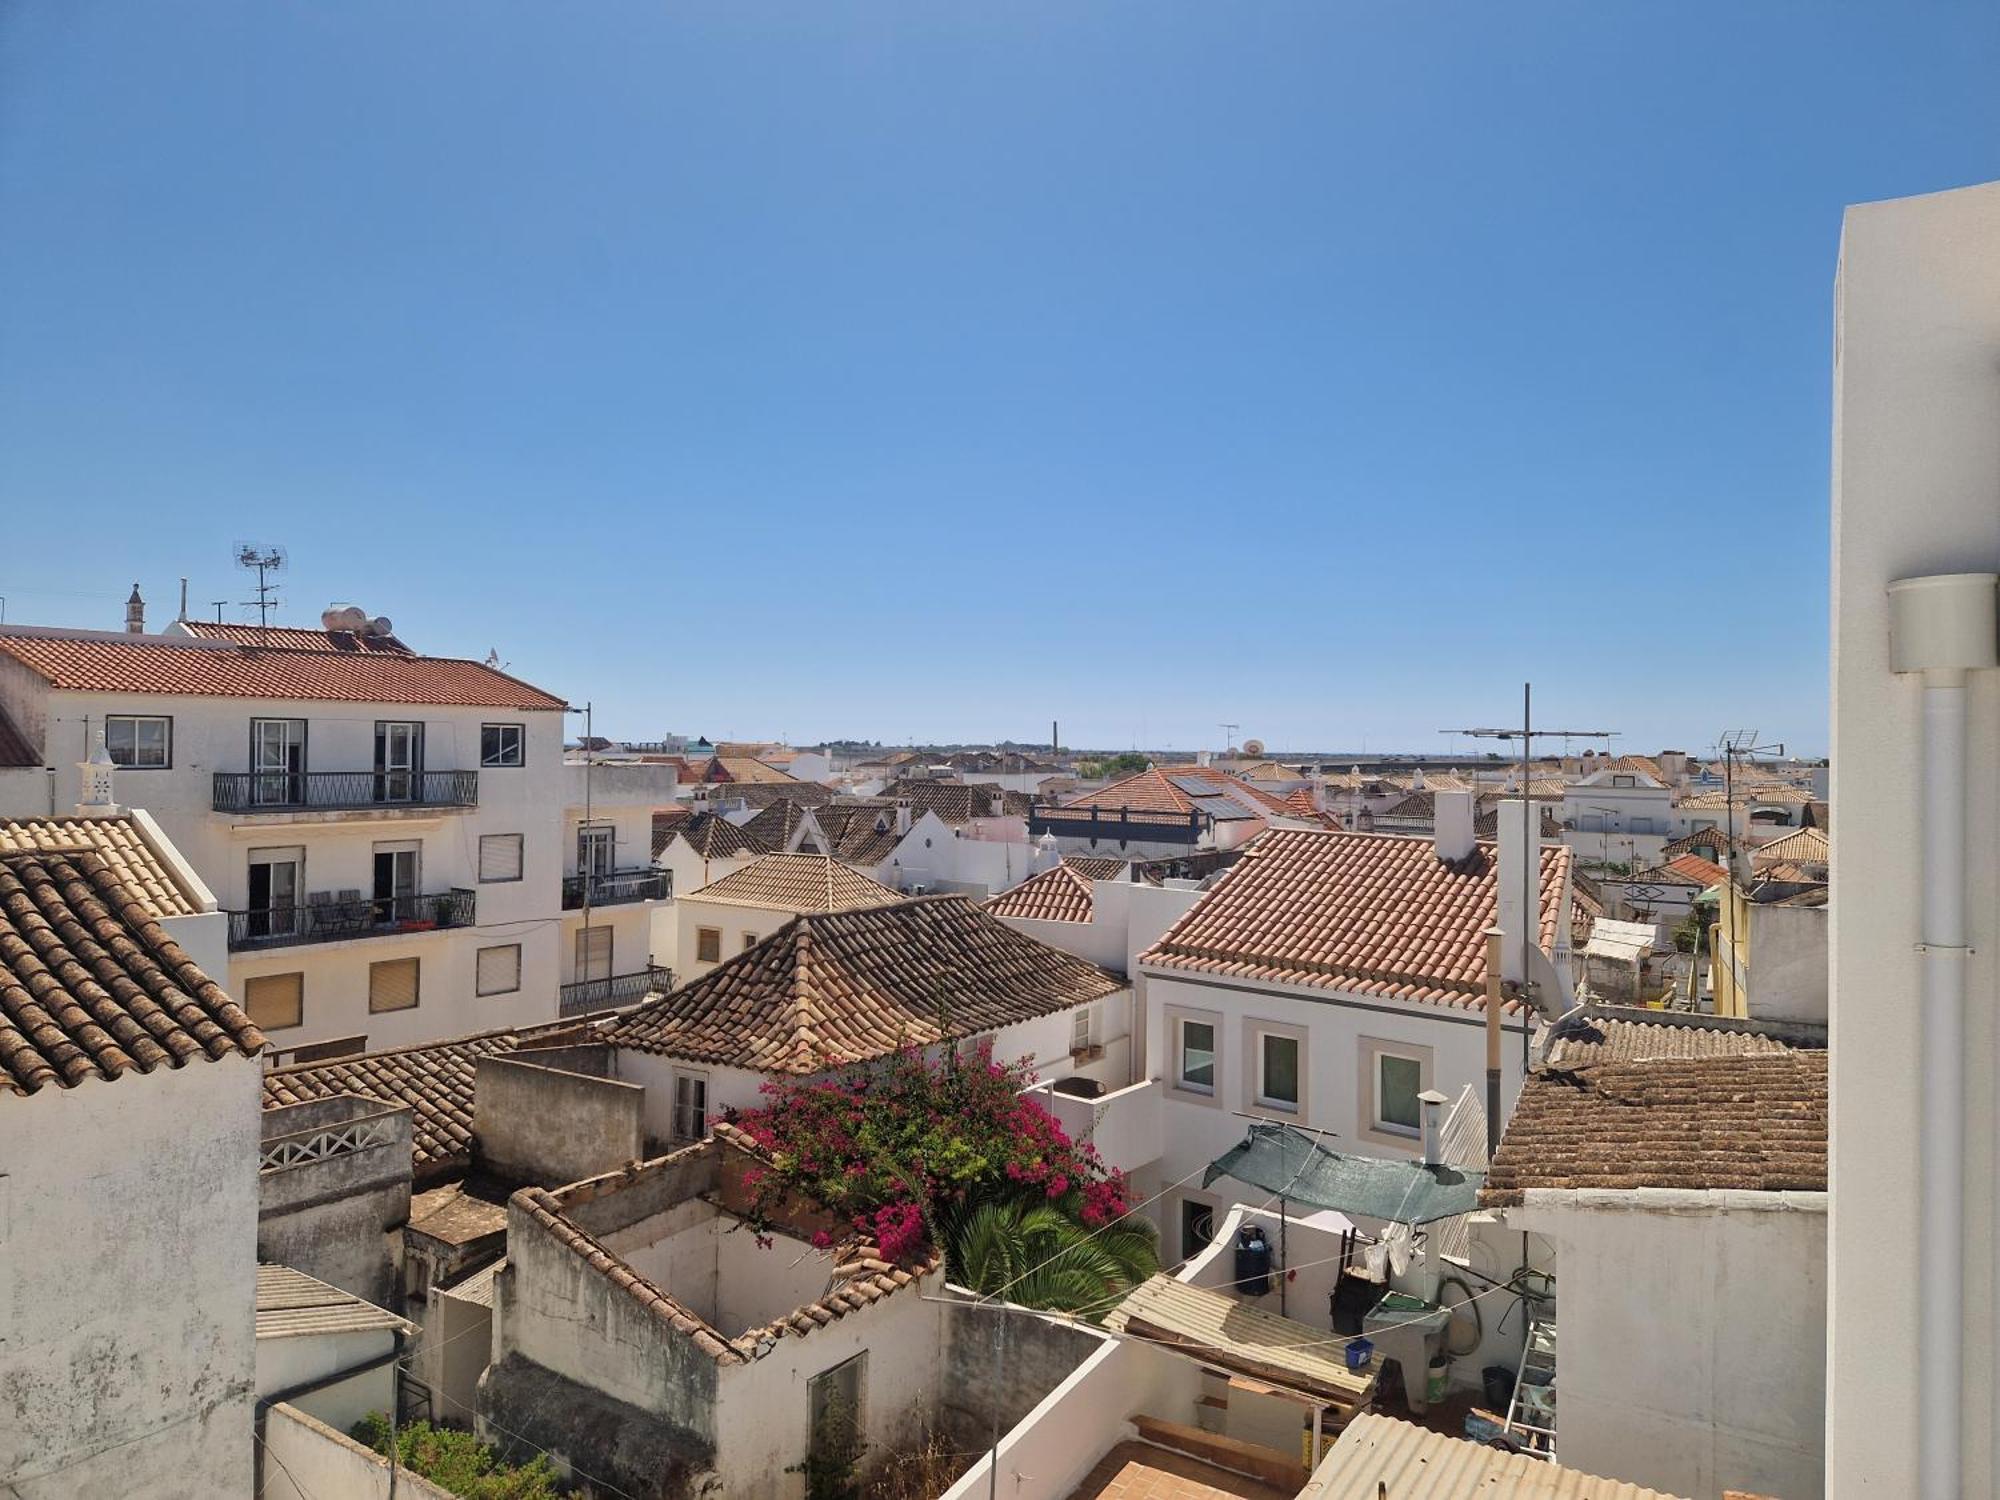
(342, 791)
(587, 995)
(1120, 825)
(612, 887)
(337, 919)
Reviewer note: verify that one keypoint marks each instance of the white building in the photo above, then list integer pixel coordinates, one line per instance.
(128, 1197)
(728, 916)
(1915, 967)
(382, 828)
(616, 911)
(1331, 978)
(1618, 817)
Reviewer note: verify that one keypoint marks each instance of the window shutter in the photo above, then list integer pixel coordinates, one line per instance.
(392, 985)
(275, 1001)
(499, 856)
(500, 969)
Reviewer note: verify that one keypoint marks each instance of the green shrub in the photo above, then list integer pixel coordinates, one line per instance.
(459, 1462)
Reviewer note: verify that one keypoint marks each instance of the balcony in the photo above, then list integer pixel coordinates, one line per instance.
(327, 918)
(615, 887)
(343, 791)
(1119, 825)
(587, 995)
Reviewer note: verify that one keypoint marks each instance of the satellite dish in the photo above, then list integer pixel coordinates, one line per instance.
(1253, 747)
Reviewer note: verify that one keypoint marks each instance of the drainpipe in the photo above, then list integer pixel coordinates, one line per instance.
(1494, 1001)
(1943, 626)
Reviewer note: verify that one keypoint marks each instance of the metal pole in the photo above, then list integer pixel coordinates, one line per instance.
(1494, 937)
(1531, 843)
(999, 1384)
(582, 841)
(1284, 1251)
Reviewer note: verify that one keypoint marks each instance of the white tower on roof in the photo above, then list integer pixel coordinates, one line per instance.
(97, 782)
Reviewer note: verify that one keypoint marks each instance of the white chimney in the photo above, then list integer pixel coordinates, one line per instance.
(1517, 847)
(135, 613)
(999, 803)
(1417, 781)
(97, 790)
(1433, 1110)
(1201, 757)
(902, 816)
(1318, 783)
(1673, 765)
(1452, 824)
(1047, 855)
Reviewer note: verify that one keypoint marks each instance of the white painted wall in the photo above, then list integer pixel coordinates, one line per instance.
(1916, 474)
(128, 1262)
(1691, 1355)
(305, 1459)
(299, 1358)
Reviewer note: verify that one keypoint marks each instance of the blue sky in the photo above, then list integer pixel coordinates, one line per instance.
(938, 370)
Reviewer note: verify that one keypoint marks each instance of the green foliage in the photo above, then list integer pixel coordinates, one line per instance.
(1041, 1257)
(1691, 934)
(459, 1462)
(1129, 763)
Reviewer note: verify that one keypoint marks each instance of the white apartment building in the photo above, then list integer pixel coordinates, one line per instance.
(614, 895)
(386, 831)
(1618, 817)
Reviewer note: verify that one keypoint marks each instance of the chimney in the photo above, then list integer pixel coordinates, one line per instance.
(1201, 757)
(97, 784)
(1673, 765)
(999, 803)
(1047, 855)
(1417, 781)
(902, 816)
(1517, 846)
(1433, 1105)
(135, 613)
(1452, 825)
(1317, 781)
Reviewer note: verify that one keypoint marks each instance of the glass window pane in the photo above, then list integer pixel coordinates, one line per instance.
(1401, 1079)
(1281, 1070)
(1198, 1055)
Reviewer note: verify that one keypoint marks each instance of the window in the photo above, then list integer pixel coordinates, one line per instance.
(502, 745)
(690, 1106)
(144, 742)
(276, 883)
(1196, 1065)
(499, 970)
(1398, 1081)
(1278, 1071)
(708, 945)
(499, 857)
(593, 953)
(750, 940)
(1079, 1029)
(278, 762)
(275, 1001)
(1197, 1227)
(596, 849)
(833, 1408)
(1624, 781)
(399, 761)
(392, 985)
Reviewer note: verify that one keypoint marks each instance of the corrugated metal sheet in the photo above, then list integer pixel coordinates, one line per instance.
(1231, 1334)
(1463, 1144)
(291, 1303)
(478, 1287)
(1379, 1456)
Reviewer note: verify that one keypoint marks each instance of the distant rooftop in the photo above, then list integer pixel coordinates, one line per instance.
(291, 1304)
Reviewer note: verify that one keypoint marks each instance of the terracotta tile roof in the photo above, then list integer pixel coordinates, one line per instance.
(797, 883)
(92, 987)
(1058, 894)
(434, 1079)
(665, 821)
(1599, 1035)
(1154, 791)
(1704, 872)
(847, 986)
(858, 1275)
(1368, 913)
(861, 833)
(1695, 843)
(1097, 866)
(215, 670)
(761, 794)
(1790, 872)
(1807, 846)
(773, 828)
(741, 768)
(118, 842)
(710, 835)
(1755, 1122)
(297, 638)
(15, 750)
(1486, 822)
(956, 802)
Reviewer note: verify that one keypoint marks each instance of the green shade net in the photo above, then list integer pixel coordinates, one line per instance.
(1289, 1162)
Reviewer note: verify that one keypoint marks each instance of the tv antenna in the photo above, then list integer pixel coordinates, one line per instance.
(1531, 869)
(264, 561)
(1735, 745)
(1228, 736)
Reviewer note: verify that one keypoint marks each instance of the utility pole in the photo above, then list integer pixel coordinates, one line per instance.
(1735, 744)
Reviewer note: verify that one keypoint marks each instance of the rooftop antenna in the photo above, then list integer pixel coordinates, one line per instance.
(1228, 736)
(264, 561)
(1735, 745)
(1527, 734)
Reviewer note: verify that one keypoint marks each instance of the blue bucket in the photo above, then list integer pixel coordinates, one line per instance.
(1360, 1353)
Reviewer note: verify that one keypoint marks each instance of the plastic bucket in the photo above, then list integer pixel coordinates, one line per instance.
(1438, 1380)
(1359, 1353)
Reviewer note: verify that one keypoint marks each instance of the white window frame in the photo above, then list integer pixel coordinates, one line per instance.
(520, 858)
(479, 984)
(1259, 1032)
(1371, 1125)
(1080, 1024)
(132, 722)
(501, 761)
(1178, 1020)
(687, 1082)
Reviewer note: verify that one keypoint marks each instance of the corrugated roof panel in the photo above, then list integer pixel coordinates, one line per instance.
(291, 1303)
(1380, 1455)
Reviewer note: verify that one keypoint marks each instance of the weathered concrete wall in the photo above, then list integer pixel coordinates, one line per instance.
(338, 1218)
(305, 1459)
(301, 1358)
(1727, 1306)
(128, 1234)
(542, 1125)
(1041, 1354)
(1788, 963)
(525, 1409)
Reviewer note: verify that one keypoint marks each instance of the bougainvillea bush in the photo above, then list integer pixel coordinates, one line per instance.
(908, 1146)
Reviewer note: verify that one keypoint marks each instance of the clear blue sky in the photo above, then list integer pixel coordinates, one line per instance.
(938, 369)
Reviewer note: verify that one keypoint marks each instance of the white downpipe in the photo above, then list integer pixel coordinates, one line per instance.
(1945, 627)
(1941, 1253)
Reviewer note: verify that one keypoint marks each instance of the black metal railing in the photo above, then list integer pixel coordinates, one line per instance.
(293, 791)
(615, 886)
(1120, 825)
(336, 919)
(587, 995)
